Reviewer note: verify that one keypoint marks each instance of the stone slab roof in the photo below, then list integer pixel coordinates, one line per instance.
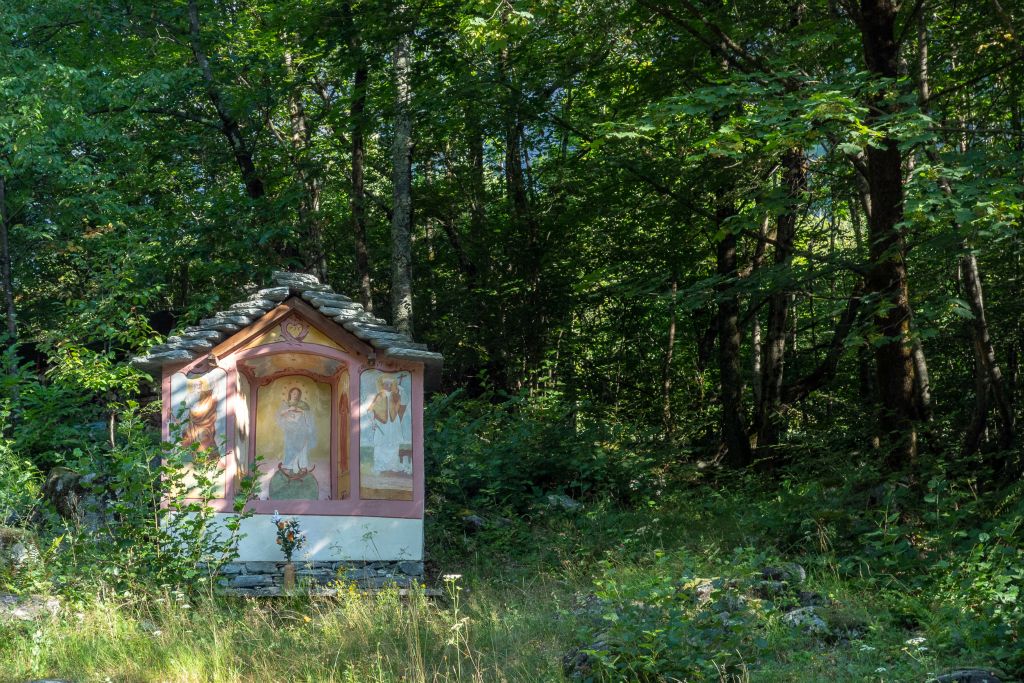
(193, 342)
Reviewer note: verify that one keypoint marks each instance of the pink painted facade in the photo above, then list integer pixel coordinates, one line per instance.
(260, 353)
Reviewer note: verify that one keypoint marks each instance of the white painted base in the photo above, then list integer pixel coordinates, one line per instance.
(335, 538)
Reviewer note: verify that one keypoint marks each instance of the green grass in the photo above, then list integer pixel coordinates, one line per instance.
(487, 635)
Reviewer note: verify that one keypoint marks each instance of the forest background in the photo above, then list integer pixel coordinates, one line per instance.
(758, 263)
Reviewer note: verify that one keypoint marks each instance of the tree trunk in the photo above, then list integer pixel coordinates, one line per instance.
(229, 125)
(755, 319)
(401, 219)
(767, 423)
(734, 434)
(359, 183)
(478, 190)
(706, 333)
(922, 58)
(529, 259)
(477, 205)
(768, 396)
(974, 435)
(515, 184)
(865, 378)
(1012, 372)
(794, 179)
(984, 348)
(756, 351)
(5, 265)
(887, 276)
(666, 370)
(922, 384)
(314, 256)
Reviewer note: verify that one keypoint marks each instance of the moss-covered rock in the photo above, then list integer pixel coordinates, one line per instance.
(17, 547)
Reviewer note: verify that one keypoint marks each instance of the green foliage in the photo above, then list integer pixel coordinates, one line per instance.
(982, 586)
(126, 514)
(508, 451)
(572, 165)
(689, 601)
(129, 520)
(123, 513)
(668, 623)
(19, 479)
(71, 407)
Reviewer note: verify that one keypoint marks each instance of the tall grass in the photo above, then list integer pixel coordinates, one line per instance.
(505, 634)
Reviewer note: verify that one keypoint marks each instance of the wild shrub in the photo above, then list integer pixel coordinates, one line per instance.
(128, 517)
(980, 588)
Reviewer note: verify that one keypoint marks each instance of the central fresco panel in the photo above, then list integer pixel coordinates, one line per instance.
(293, 438)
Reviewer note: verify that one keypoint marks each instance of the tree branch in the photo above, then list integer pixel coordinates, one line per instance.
(159, 111)
(826, 370)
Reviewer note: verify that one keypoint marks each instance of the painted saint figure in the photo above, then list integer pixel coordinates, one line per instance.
(296, 422)
(391, 426)
(202, 419)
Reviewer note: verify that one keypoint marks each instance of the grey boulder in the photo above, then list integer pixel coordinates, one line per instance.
(808, 620)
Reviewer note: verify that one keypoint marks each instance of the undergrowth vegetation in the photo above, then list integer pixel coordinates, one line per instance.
(685, 574)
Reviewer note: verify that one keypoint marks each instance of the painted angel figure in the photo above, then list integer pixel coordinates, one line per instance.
(296, 422)
(392, 426)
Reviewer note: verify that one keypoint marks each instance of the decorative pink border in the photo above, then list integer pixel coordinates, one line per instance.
(363, 358)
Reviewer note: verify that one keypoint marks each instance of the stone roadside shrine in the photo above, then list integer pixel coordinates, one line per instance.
(330, 398)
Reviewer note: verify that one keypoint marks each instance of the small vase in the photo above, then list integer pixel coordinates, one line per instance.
(289, 577)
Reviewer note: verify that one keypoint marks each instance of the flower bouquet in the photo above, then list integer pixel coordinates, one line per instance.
(290, 538)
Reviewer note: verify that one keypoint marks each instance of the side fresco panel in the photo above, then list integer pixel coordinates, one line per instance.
(198, 418)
